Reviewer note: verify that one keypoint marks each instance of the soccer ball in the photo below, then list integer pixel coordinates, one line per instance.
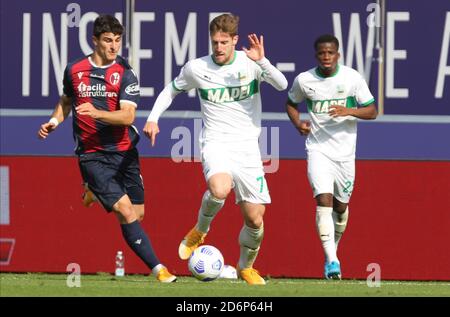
(206, 263)
(228, 272)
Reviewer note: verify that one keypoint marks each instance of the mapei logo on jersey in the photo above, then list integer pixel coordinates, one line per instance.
(230, 94)
(323, 106)
(114, 78)
(97, 90)
(132, 89)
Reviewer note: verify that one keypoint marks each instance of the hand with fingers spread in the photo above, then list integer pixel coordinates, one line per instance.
(151, 129)
(256, 50)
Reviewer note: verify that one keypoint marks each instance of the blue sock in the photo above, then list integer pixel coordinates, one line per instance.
(138, 240)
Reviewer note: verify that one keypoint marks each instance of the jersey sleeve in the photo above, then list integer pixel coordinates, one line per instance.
(362, 94)
(258, 71)
(67, 83)
(271, 74)
(129, 89)
(185, 80)
(296, 94)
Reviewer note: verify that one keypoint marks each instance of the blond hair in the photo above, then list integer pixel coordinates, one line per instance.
(227, 23)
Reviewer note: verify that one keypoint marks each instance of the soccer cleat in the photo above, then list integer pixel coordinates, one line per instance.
(332, 271)
(164, 276)
(88, 197)
(250, 275)
(190, 242)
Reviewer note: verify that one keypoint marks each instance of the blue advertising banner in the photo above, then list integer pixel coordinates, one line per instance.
(411, 80)
(38, 39)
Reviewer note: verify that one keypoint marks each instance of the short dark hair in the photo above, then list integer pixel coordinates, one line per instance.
(107, 23)
(326, 38)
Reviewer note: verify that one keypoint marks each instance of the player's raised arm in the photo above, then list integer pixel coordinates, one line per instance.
(270, 73)
(61, 112)
(164, 100)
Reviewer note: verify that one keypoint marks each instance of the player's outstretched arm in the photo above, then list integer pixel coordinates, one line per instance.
(61, 112)
(151, 129)
(164, 100)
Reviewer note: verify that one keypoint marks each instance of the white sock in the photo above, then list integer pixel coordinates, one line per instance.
(249, 240)
(325, 229)
(209, 208)
(340, 223)
(157, 268)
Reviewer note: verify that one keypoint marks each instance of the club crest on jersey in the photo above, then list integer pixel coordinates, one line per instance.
(114, 78)
(241, 76)
(340, 89)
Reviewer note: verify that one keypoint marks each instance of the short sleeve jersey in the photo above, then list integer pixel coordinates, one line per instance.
(334, 137)
(105, 87)
(229, 96)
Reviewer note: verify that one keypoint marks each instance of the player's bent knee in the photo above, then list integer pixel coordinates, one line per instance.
(125, 212)
(140, 212)
(220, 192)
(220, 185)
(255, 223)
(127, 217)
(325, 200)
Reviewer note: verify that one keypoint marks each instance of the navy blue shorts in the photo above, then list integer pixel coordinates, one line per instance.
(112, 175)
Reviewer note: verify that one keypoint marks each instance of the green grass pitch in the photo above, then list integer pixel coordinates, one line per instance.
(106, 285)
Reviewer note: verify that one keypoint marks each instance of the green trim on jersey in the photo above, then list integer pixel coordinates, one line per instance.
(368, 102)
(231, 62)
(322, 106)
(175, 87)
(320, 74)
(230, 94)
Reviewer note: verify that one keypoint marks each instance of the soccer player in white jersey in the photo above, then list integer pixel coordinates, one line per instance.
(335, 96)
(228, 85)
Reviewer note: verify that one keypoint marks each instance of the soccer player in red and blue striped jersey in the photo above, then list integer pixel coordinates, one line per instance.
(102, 91)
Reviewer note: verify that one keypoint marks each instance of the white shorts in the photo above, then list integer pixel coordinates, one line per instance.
(242, 161)
(328, 176)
